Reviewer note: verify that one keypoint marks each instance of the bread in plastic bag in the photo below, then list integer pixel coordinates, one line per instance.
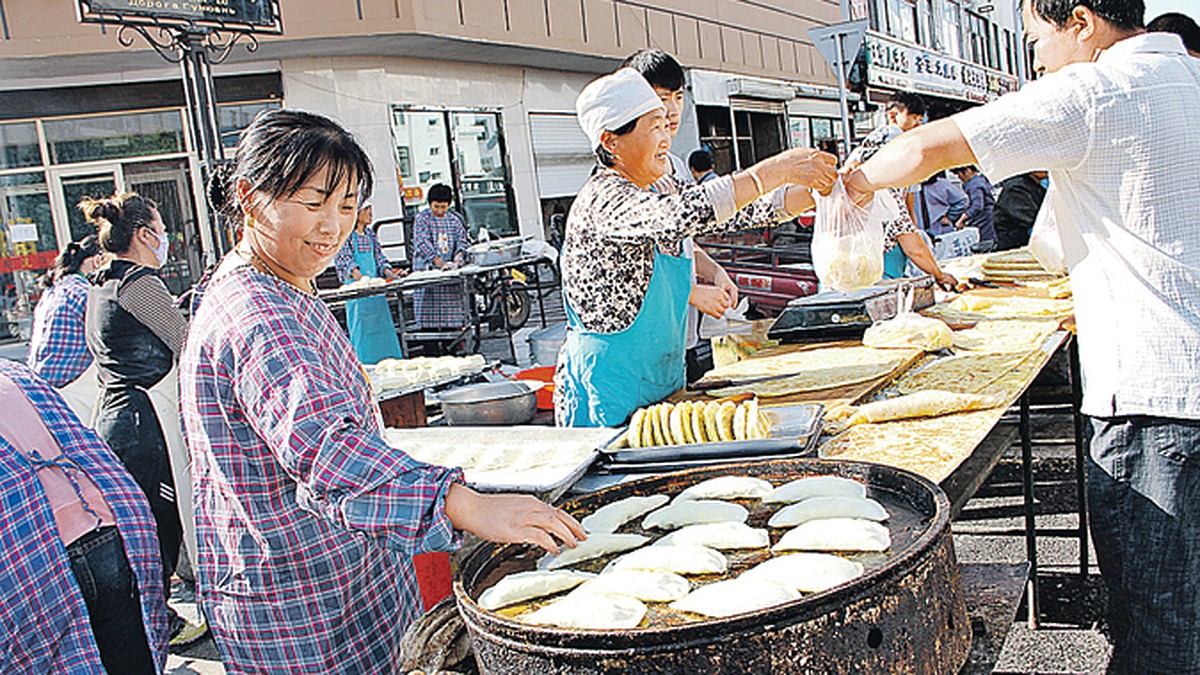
(909, 330)
(847, 246)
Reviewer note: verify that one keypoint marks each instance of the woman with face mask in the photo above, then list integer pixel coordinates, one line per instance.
(136, 333)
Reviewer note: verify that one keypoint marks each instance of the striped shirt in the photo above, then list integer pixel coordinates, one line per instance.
(44, 625)
(58, 350)
(306, 520)
(360, 242)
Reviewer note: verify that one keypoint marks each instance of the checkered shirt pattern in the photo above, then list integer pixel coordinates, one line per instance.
(307, 521)
(44, 625)
(445, 238)
(1119, 138)
(58, 350)
(359, 242)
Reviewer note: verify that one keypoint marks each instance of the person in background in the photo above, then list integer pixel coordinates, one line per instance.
(136, 333)
(1125, 200)
(80, 585)
(701, 164)
(713, 292)
(307, 520)
(1017, 208)
(626, 281)
(58, 350)
(439, 242)
(982, 203)
(901, 241)
(1180, 24)
(938, 205)
(368, 320)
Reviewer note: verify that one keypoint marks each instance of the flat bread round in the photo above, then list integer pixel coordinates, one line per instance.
(697, 414)
(725, 420)
(675, 424)
(965, 373)
(633, 436)
(813, 380)
(649, 438)
(753, 421)
(655, 424)
(739, 423)
(710, 421)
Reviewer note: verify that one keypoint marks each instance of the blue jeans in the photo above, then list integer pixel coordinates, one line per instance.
(110, 591)
(1144, 501)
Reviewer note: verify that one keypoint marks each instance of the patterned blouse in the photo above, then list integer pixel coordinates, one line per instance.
(58, 350)
(359, 242)
(434, 237)
(306, 519)
(615, 227)
(870, 145)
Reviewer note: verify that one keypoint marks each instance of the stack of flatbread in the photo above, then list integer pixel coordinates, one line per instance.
(808, 370)
(1015, 265)
(690, 422)
(971, 307)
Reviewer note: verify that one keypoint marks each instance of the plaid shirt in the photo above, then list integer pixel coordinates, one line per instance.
(306, 519)
(445, 238)
(58, 350)
(359, 242)
(44, 624)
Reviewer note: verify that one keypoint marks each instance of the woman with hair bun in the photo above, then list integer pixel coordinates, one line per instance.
(58, 350)
(306, 520)
(136, 334)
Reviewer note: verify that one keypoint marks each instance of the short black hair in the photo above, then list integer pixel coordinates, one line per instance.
(700, 160)
(964, 168)
(441, 192)
(1122, 14)
(914, 104)
(658, 67)
(1180, 24)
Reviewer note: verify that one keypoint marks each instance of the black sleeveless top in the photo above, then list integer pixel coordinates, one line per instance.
(127, 352)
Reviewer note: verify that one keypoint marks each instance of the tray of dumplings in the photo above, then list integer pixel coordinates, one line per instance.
(668, 436)
(706, 544)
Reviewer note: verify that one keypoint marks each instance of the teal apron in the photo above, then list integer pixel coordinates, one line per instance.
(895, 262)
(604, 377)
(369, 320)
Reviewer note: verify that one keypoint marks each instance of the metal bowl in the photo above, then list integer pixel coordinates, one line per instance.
(493, 403)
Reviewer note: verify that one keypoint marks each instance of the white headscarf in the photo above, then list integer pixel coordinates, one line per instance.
(614, 100)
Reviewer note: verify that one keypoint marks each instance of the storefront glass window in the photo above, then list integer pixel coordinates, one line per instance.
(948, 15)
(235, 118)
(799, 132)
(27, 244)
(168, 183)
(84, 139)
(19, 145)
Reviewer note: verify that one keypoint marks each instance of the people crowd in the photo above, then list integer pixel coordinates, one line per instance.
(307, 521)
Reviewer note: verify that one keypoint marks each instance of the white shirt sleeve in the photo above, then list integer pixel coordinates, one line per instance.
(1044, 126)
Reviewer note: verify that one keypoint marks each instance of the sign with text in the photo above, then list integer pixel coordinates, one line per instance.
(897, 65)
(250, 16)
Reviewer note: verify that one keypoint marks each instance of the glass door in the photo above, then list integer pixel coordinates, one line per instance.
(71, 186)
(168, 184)
(422, 154)
(28, 246)
(483, 185)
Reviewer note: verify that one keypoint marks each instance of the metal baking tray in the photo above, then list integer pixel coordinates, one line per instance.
(796, 436)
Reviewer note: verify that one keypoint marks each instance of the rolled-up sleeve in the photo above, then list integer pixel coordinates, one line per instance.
(1046, 125)
(322, 437)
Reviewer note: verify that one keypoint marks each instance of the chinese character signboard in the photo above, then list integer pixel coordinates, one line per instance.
(252, 16)
(896, 65)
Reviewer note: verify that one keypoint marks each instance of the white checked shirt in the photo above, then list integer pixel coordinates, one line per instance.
(1120, 139)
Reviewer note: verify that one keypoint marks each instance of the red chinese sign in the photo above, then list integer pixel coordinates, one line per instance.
(33, 261)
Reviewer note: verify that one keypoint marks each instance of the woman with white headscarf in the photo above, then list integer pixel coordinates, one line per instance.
(626, 281)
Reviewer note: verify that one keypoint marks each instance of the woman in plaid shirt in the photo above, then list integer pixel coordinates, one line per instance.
(306, 519)
(58, 350)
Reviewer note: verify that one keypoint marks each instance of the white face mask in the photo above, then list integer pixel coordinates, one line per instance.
(160, 251)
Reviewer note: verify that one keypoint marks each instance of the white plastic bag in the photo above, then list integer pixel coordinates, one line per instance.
(908, 330)
(847, 246)
(1044, 241)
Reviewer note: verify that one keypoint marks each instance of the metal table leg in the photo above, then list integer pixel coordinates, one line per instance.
(537, 280)
(1080, 455)
(1030, 521)
(505, 280)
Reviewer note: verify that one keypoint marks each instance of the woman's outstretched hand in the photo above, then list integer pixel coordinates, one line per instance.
(512, 519)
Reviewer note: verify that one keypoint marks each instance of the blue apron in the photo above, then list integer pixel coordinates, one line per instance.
(604, 377)
(369, 320)
(895, 262)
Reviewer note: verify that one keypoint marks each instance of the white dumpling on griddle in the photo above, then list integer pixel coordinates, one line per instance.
(610, 517)
(677, 559)
(806, 572)
(721, 536)
(727, 487)
(645, 585)
(735, 596)
(596, 611)
(835, 534)
(594, 546)
(695, 512)
(828, 507)
(524, 586)
(816, 486)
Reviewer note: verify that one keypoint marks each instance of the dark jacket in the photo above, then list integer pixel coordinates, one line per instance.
(1016, 210)
(127, 352)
